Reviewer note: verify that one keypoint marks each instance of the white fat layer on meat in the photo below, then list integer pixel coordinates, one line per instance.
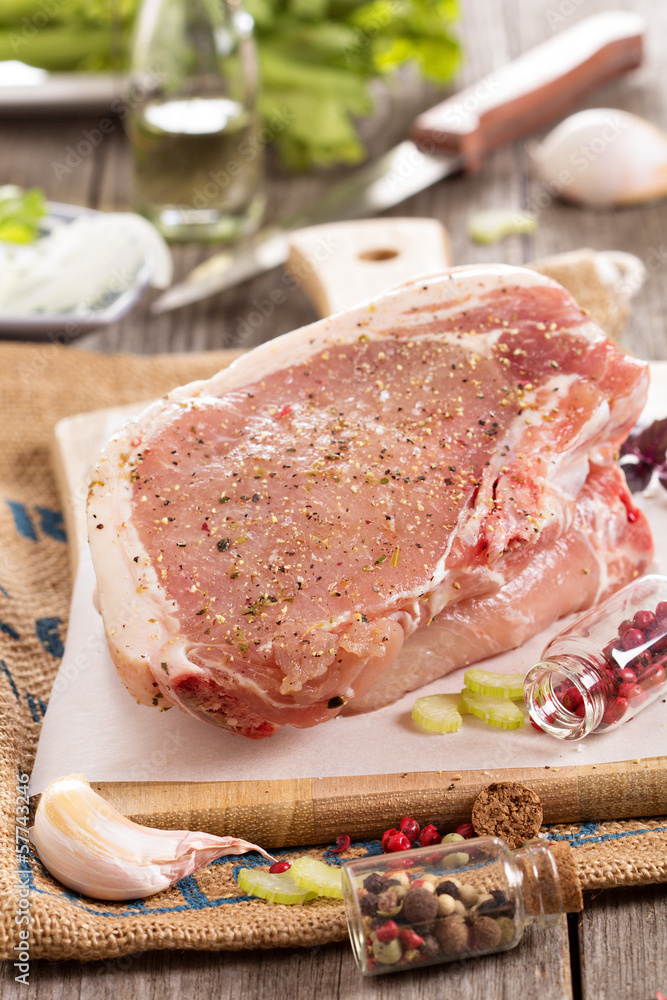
(371, 320)
(143, 614)
(474, 344)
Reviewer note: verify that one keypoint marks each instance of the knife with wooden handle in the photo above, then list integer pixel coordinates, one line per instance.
(457, 134)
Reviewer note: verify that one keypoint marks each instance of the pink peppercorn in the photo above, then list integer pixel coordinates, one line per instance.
(572, 699)
(399, 864)
(632, 638)
(651, 676)
(660, 644)
(615, 711)
(624, 675)
(465, 830)
(397, 842)
(429, 836)
(410, 939)
(410, 827)
(632, 693)
(645, 621)
(386, 835)
(279, 866)
(342, 844)
(387, 931)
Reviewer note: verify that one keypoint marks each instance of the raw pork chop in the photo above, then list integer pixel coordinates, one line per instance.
(438, 462)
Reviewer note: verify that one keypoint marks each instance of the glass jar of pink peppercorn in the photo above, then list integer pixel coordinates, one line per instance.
(605, 667)
(454, 900)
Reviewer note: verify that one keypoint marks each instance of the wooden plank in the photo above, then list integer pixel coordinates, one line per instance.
(538, 967)
(623, 944)
(640, 230)
(291, 811)
(568, 794)
(43, 153)
(276, 813)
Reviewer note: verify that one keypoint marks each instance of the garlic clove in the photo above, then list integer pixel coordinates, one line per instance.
(603, 157)
(91, 847)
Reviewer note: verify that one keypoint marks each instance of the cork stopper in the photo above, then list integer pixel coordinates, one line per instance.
(550, 884)
(509, 810)
(570, 886)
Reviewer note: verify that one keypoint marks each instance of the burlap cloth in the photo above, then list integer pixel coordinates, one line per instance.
(38, 386)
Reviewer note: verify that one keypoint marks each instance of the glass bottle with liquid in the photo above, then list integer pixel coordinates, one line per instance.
(454, 901)
(192, 120)
(606, 667)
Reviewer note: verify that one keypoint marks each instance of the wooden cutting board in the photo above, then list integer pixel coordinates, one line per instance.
(314, 810)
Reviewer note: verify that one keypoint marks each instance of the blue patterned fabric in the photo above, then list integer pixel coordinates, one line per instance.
(215, 886)
(597, 833)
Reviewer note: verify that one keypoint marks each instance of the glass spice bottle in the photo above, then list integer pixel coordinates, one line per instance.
(605, 667)
(192, 120)
(454, 901)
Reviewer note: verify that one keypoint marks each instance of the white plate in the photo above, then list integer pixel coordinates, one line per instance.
(66, 326)
(62, 93)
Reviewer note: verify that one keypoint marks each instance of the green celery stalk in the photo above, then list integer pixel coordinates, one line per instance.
(317, 57)
(60, 48)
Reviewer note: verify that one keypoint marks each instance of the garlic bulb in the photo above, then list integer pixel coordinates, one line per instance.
(89, 846)
(604, 157)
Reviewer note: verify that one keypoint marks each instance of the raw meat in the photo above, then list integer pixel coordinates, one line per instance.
(599, 553)
(266, 541)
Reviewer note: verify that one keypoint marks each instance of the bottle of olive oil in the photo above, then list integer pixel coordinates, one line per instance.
(192, 120)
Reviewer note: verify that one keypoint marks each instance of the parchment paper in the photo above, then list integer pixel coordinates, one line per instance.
(92, 725)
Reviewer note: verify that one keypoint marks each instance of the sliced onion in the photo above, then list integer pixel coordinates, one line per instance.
(83, 266)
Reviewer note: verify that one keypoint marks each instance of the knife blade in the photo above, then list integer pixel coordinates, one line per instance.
(454, 135)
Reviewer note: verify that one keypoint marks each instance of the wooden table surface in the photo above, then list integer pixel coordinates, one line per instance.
(616, 949)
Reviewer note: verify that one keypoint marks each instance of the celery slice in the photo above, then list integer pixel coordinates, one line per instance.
(318, 877)
(494, 224)
(499, 685)
(438, 712)
(499, 712)
(281, 888)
